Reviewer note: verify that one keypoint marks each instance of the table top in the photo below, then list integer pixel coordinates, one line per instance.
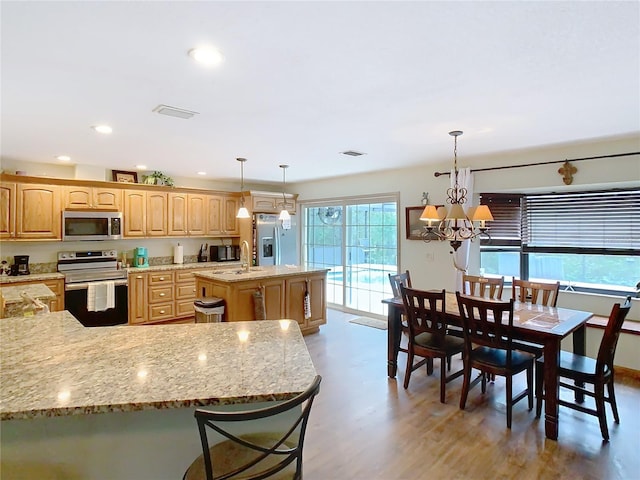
(51, 365)
(538, 319)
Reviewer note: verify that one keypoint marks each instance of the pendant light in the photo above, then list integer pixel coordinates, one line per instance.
(242, 211)
(284, 213)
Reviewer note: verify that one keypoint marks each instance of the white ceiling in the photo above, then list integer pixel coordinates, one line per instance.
(304, 81)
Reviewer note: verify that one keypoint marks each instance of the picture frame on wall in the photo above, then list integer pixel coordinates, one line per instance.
(124, 176)
(414, 226)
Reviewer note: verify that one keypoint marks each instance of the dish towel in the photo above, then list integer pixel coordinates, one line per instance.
(307, 302)
(101, 296)
(259, 310)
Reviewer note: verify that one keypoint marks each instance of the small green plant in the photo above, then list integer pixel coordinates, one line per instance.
(158, 178)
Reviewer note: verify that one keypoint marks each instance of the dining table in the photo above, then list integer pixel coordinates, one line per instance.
(538, 324)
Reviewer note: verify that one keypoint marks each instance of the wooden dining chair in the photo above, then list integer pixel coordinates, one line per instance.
(398, 280)
(487, 287)
(488, 337)
(538, 293)
(253, 455)
(598, 372)
(428, 336)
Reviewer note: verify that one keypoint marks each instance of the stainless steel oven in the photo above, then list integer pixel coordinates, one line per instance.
(83, 268)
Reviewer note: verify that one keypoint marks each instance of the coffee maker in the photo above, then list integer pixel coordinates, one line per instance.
(20, 265)
(140, 257)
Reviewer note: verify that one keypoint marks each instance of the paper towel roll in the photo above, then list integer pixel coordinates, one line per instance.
(178, 254)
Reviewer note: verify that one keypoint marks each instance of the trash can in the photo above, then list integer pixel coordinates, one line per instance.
(209, 309)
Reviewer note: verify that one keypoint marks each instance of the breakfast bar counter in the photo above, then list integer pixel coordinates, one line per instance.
(118, 402)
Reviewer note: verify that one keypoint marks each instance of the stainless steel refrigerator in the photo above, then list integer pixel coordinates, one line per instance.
(275, 245)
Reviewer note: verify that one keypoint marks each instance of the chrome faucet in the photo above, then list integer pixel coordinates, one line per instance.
(245, 256)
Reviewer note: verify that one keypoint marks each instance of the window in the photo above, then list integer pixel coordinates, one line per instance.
(590, 241)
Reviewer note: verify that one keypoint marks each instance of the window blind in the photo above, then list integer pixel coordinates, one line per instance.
(506, 211)
(605, 221)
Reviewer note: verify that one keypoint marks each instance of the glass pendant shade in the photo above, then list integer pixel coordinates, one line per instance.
(242, 211)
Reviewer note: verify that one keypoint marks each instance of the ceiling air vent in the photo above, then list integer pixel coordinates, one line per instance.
(174, 111)
(352, 153)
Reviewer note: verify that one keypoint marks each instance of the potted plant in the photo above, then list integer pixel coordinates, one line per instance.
(158, 178)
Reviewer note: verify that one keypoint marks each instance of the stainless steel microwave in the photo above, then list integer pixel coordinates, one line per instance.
(91, 225)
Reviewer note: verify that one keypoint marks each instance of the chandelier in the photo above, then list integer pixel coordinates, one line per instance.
(453, 224)
(242, 211)
(284, 213)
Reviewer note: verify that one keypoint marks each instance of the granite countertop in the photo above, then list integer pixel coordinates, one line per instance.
(39, 291)
(34, 277)
(52, 366)
(257, 273)
(184, 266)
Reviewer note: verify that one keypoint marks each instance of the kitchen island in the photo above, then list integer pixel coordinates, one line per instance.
(118, 402)
(269, 292)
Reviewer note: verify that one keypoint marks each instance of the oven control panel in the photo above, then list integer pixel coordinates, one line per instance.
(88, 254)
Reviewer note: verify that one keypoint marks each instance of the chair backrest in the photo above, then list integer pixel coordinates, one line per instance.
(486, 322)
(425, 312)
(398, 279)
(539, 293)
(609, 341)
(487, 287)
(286, 447)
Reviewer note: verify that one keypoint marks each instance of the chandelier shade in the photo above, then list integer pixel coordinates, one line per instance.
(454, 224)
(242, 211)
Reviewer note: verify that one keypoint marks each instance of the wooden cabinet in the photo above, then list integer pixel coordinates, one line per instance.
(221, 215)
(7, 210)
(283, 297)
(137, 291)
(162, 297)
(56, 285)
(100, 198)
(187, 214)
(272, 202)
(145, 214)
(38, 212)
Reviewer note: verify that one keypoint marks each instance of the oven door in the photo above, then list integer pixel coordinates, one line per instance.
(75, 301)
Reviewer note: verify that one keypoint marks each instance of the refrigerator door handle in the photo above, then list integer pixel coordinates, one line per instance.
(276, 245)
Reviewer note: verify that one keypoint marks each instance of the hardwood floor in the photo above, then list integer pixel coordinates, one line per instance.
(366, 426)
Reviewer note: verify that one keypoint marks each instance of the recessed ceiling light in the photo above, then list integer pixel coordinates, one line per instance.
(207, 56)
(202, 173)
(64, 158)
(106, 129)
(352, 153)
(141, 167)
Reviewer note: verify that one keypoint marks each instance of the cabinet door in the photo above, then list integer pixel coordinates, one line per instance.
(137, 298)
(197, 218)
(295, 288)
(107, 198)
(230, 226)
(318, 301)
(7, 210)
(156, 214)
(214, 215)
(242, 307)
(38, 211)
(135, 209)
(263, 204)
(273, 292)
(57, 287)
(78, 197)
(178, 205)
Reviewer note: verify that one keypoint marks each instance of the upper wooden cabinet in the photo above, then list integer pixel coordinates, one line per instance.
(145, 214)
(38, 212)
(7, 210)
(187, 214)
(81, 197)
(221, 215)
(271, 202)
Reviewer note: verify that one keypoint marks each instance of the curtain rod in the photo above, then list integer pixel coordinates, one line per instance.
(437, 174)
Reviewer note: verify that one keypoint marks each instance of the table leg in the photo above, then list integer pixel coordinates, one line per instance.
(551, 387)
(394, 332)
(580, 348)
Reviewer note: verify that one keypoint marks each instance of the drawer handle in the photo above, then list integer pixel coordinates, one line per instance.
(139, 277)
(161, 279)
(161, 311)
(162, 294)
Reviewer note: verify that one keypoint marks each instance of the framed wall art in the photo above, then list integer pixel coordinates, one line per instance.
(414, 225)
(125, 177)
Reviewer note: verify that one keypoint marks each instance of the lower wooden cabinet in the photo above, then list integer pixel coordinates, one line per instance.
(161, 297)
(55, 285)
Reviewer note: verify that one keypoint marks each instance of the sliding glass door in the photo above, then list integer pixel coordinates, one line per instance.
(358, 240)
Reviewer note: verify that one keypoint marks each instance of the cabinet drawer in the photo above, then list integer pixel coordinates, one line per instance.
(186, 291)
(160, 293)
(185, 276)
(160, 278)
(161, 311)
(184, 308)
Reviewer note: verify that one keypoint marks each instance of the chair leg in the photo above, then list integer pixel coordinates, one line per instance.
(429, 366)
(409, 369)
(539, 389)
(530, 386)
(602, 414)
(612, 400)
(443, 379)
(465, 383)
(449, 363)
(484, 381)
(509, 381)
